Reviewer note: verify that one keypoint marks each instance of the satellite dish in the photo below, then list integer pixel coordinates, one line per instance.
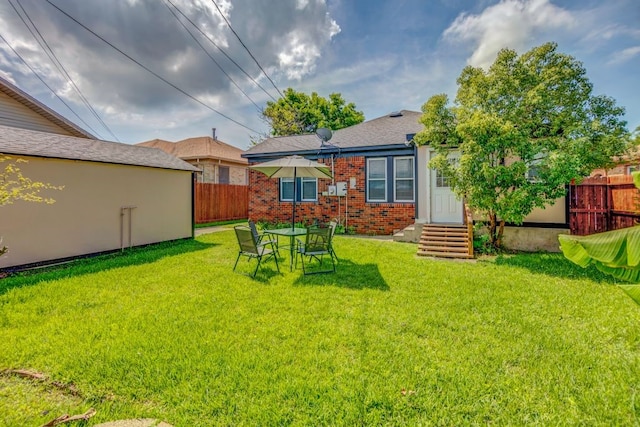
(324, 134)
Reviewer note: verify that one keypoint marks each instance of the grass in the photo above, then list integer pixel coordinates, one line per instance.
(170, 332)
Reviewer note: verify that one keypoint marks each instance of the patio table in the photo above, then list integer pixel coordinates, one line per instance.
(292, 233)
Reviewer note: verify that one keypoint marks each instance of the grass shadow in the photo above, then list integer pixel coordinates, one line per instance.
(348, 275)
(93, 264)
(552, 264)
(265, 273)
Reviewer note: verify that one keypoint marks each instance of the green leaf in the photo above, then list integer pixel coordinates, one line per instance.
(616, 252)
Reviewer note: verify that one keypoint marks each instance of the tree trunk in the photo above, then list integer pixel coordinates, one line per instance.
(499, 235)
(492, 229)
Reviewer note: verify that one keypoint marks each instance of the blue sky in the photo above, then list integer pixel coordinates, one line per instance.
(382, 55)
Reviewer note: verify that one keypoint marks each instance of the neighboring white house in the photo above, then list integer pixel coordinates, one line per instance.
(115, 195)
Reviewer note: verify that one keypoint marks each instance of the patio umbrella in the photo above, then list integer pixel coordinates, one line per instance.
(293, 167)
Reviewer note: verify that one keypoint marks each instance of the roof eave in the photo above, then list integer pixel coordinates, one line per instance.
(27, 100)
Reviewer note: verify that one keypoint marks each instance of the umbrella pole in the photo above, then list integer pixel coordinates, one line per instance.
(293, 214)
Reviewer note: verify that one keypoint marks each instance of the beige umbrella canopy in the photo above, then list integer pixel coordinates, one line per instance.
(293, 167)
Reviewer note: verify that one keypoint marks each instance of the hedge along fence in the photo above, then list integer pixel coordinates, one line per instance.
(221, 202)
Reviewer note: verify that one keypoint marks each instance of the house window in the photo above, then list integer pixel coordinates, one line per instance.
(632, 168)
(533, 169)
(307, 189)
(441, 180)
(223, 174)
(403, 175)
(377, 180)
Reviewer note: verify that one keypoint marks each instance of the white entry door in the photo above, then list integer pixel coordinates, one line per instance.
(445, 206)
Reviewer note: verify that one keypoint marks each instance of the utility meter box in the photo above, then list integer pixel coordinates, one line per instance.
(331, 190)
(341, 188)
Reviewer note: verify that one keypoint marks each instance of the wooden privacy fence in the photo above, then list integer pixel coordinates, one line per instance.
(221, 202)
(602, 204)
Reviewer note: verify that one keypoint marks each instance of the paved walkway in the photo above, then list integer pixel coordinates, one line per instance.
(215, 229)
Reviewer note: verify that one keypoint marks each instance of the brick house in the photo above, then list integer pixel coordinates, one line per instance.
(389, 186)
(373, 190)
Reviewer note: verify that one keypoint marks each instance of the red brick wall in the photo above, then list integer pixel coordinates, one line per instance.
(352, 210)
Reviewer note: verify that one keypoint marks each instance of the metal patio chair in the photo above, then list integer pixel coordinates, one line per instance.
(250, 248)
(316, 249)
(332, 227)
(264, 238)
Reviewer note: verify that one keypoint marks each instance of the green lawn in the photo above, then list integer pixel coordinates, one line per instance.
(170, 332)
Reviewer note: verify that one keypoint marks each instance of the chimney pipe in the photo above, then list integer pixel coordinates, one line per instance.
(213, 131)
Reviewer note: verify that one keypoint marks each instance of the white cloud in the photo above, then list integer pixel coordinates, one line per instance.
(302, 47)
(624, 55)
(510, 23)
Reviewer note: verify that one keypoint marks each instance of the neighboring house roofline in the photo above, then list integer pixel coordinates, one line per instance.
(24, 142)
(27, 100)
(199, 148)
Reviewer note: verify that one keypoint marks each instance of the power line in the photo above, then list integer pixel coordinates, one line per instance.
(56, 62)
(151, 71)
(222, 50)
(209, 55)
(246, 48)
(45, 83)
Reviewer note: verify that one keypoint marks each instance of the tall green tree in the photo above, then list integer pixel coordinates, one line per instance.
(297, 113)
(525, 128)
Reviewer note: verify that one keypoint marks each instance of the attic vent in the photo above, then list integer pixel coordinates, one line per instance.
(395, 114)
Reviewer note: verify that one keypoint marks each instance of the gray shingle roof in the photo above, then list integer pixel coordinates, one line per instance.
(383, 131)
(24, 142)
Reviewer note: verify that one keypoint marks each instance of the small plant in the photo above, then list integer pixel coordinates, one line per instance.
(482, 241)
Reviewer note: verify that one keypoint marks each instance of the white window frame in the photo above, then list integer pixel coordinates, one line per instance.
(302, 180)
(282, 181)
(532, 168)
(384, 179)
(396, 179)
(315, 192)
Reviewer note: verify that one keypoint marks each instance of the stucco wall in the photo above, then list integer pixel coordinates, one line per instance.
(86, 217)
(552, 214)
(533, 239)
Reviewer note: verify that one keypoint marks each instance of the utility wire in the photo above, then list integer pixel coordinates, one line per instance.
(209, 55)
(221, 50)
(45, 83)
(246, 48)
(151, 71)
(54, 59)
